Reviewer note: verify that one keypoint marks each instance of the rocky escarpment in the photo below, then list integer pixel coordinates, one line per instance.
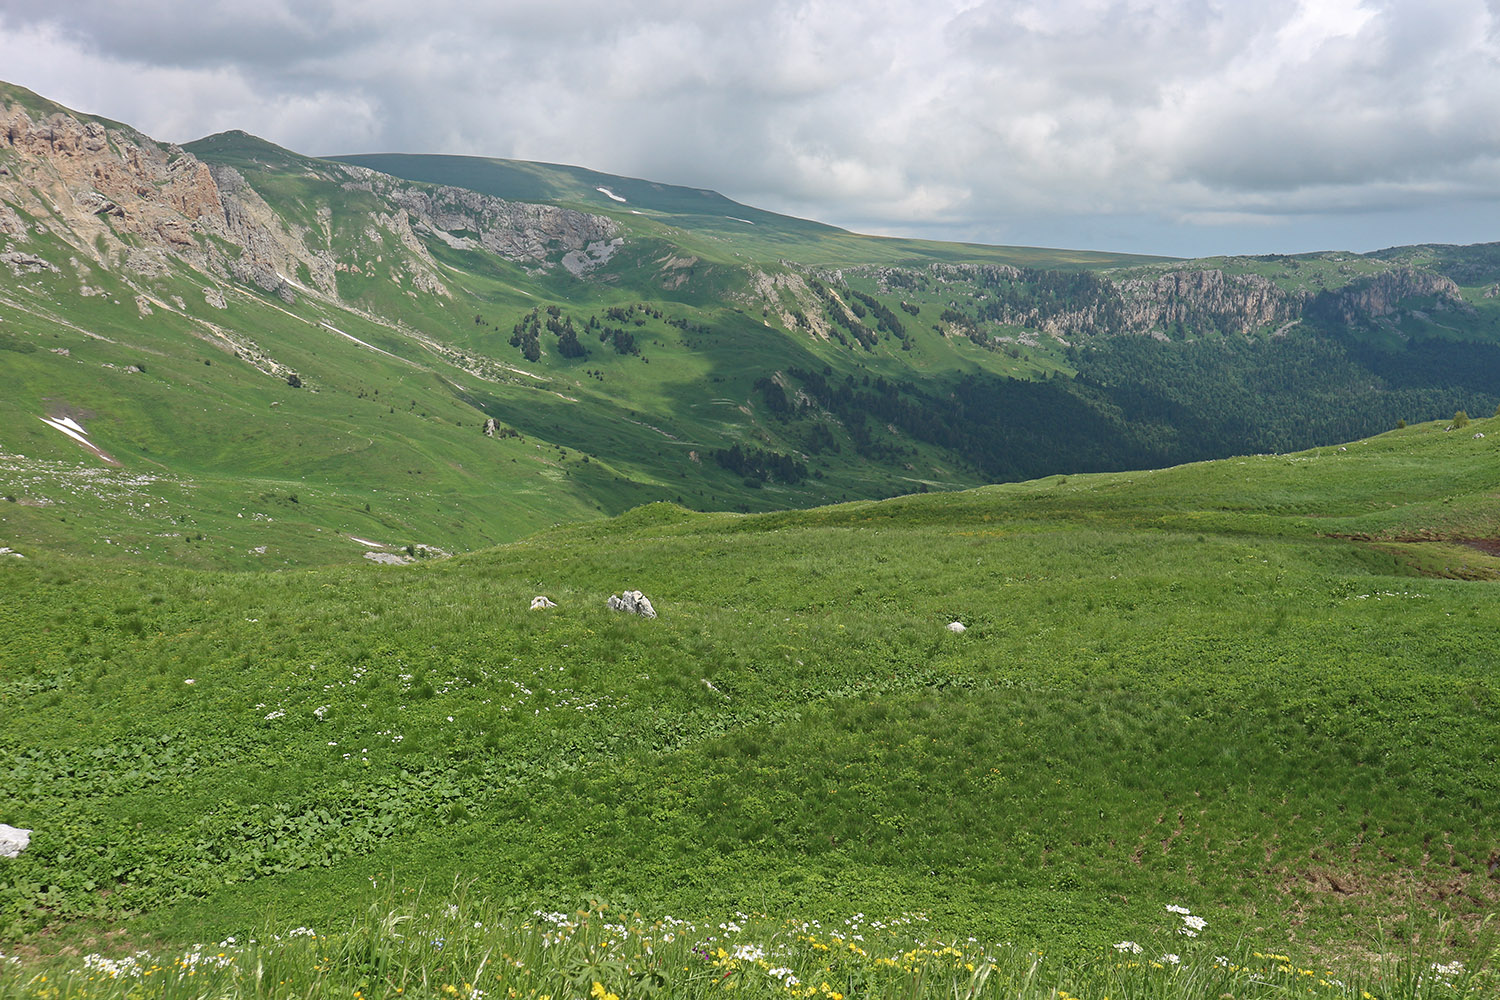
(104, 183)
(1385, 294)
(1185, 302)
(125, 200)
(132, 203)
(517, 231)
(1203, 299)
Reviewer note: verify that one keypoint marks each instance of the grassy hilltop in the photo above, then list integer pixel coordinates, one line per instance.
(1262, 688)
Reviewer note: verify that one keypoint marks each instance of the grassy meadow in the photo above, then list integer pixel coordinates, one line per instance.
(1261, 689)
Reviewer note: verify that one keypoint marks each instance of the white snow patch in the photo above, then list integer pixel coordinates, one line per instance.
(366, 541)
(294, 284)
(736, 218)
(70, 427)
(327, 325)
(609, 194)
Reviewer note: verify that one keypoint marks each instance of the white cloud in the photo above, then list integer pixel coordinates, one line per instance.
(1000, 119)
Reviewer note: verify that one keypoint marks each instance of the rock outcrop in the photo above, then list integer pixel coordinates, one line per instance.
(514, 230)
(1204, 299)
(633, 602)
(133, 203)
(13, 841)
(1381, 295)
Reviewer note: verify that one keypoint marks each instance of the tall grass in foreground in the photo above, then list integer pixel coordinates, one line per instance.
(414, 948)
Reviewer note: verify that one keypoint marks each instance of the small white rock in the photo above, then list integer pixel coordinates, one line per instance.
(539, 602)
(956, 627)
(1479, 435)
(13, 841)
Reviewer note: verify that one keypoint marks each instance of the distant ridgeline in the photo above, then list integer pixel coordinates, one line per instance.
(1199, 362)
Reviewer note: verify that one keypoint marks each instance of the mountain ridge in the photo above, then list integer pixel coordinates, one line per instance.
(617, 358)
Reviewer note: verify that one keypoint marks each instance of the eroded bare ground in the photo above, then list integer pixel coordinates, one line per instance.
(1439, 905)
(1434, 556)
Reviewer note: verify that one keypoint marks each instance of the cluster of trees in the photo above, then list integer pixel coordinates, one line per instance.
(847, 311)
(1137, 403)
(526, 335)
(757, 465)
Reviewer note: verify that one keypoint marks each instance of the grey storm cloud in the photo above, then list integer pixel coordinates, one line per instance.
(1163, 125)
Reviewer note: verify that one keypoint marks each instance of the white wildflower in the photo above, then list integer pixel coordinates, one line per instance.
(1174, 908)
(1171, 959)
(748, 953)
(1129, 947)
(785, 975)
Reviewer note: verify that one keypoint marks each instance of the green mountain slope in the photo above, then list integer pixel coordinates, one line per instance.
(618, 352)
(1223, 685)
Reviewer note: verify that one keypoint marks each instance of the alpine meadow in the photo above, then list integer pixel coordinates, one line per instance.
(1024, 623)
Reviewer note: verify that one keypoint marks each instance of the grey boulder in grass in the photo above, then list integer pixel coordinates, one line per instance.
(634, 602)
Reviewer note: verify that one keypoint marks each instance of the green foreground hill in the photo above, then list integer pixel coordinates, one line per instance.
(1262, 688)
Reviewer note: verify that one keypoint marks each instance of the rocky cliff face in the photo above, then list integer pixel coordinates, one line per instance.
(130, 202)
(1205, 300)
(105, 183)
(514, 230)
(1383, 295)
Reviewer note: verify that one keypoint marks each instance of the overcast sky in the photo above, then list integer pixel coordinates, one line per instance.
(1183, 127)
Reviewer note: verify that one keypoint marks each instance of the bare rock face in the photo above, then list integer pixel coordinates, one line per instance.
(13, 841)
(491, 425)
(25, 263)
(633, 602)
(85, 173)
(1201, 297)
(128, 201)
(1382, 295)
(514, 230)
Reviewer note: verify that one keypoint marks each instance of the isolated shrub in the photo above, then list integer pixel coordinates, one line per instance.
(1460, 419)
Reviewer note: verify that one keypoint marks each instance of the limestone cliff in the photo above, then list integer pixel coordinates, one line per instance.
(131, 203)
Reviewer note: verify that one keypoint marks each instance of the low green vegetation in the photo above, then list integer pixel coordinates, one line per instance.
(411, 945)
(1260, 688)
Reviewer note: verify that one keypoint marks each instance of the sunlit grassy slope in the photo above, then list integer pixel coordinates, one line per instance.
(222, 463)
(1221, 685)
